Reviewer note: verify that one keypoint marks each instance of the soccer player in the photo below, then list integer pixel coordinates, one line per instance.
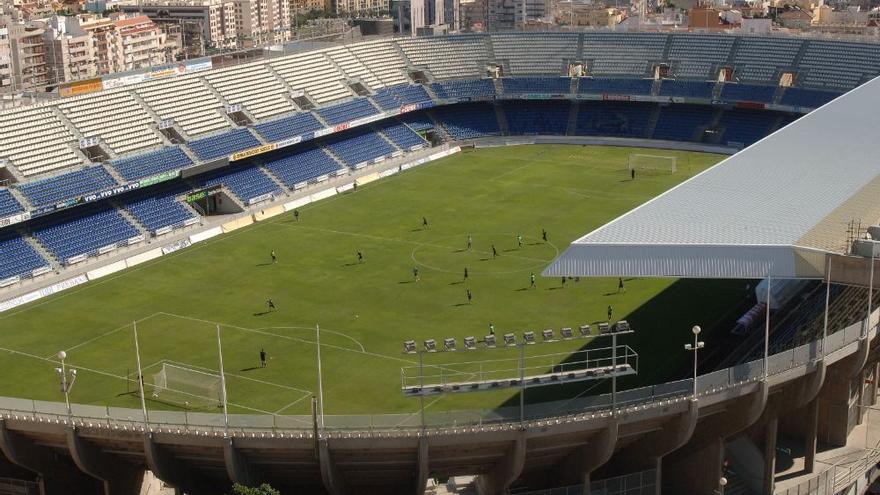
(470, 296)
(519, 240)
(494, 252)
(416, 273)
(544, 235)
(532, 279)
(465, 273)
(610, 312)
(563, 281)
(470, 242)
(296, 214)
(632, 174)
(360, 257)
(491, 328)
(274, 258)
(620, 287)
(271, 305)
(262, 358)
(424, 223)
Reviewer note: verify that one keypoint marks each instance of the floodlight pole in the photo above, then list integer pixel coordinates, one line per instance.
(140, 379)
(65, 386)
(320, 378)
(827, 300)
(767, 329)
(522, 382)
(613, 373)
(422, 388)
(867, 324)
(223, 383)
(695, 348)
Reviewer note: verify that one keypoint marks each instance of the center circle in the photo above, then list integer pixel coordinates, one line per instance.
(450, 254)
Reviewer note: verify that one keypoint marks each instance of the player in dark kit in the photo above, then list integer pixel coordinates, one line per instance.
(610, 312)
(470, 296)
(262, 358)
(296, 215)
(416, 273)
(465, 273)
(424, 223)
(360, 257)
(271, 305)
(494, 252)
(544, 235)
(274, 258)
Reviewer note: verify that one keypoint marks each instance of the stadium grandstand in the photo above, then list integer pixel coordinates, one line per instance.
(160, 162)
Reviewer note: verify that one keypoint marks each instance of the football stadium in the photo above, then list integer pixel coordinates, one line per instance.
(532, 263)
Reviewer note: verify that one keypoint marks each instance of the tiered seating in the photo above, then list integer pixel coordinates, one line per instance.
(8, 204)
(809, 98)
(478, 88)
(67, 186)
(19, 259)
(535, 53)
(84, 230)
(224, 144)
(619, 119)
(35, 141)
(838, 65)
(246, 182)
(303, 167)
(680, 122)
(537, 117)
(158, 209)
(313, 73)
(452, 57)
(358, 146)
(748, 92)
(402, 136)
(152, 163)
(606, 86)
(417, 121)
(252, 86)
(759, 59)
(746, 126)
(695, 56)
(468, 121)
(287, 127)
(687, 89)
(115, 117)
(397, 96)
(187, 100)
(383, 59)
(623, 53)
(551, 85)
(353, 67)
(348, 111)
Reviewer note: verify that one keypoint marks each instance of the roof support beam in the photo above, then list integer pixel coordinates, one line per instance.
(334, 482)
(576, 467)
(507, 471)
(117, 476)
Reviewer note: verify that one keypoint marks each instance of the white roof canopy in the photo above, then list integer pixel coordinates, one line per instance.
(774, 208)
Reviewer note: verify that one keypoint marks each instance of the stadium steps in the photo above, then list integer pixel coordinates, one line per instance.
(430, 91)
(45, 253)
(580, 48)
(655, 87)
(777, 96)
(805, 45)
(20, 197)
(652, 121)
(571, 127)
(573, 86)
(280, 80)
(116, 176)
(502, 119)
(736, 486)
(231, 123)
(382, 135)
(283, 187)
(716, 91)
(349, 79)
(409, 63)
(340, 161)
(490, 49)
(734, 49)
(132, 220)
(67, 123)
(499, 88)
(439, 129)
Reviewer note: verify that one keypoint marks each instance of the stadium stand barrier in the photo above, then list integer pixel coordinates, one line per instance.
(105, 270)
(267, 213)
(237, 224)
(205, 235)
(366, 179)
(143, 257)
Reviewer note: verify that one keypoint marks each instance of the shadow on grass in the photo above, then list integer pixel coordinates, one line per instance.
(461, 304)
(406, 281)
(457, 283)
(265, 264)
(250, 369)
(262, 313)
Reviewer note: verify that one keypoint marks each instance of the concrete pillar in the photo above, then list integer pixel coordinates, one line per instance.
(507, 471)
(576, 468)
(176, 472)
(237, 467)
(334, 482)
(834, 399)
(770, 431)
(811, 418)
(117, 476)
(56, 474)
(422, 466)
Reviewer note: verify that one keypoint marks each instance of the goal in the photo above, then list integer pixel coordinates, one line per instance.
(187, 387)
(652, 163)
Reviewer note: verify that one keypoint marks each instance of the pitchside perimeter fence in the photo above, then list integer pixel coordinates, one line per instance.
(303, 425)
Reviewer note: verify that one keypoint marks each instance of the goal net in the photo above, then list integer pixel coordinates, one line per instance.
(661, 164)
(187, 387)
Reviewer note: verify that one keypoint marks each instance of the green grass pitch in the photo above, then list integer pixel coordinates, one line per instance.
(366, 310)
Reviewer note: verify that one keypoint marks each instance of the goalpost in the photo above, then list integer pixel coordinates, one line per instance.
(187, 387)
(652, 163)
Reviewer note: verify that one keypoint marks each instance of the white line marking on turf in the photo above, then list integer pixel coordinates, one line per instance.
(297, 401)
(264, 382)
(89, 341)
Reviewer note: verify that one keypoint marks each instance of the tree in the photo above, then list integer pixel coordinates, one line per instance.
(264, 489)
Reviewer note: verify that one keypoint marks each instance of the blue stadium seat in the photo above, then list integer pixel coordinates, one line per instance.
(397, 96)
(358, 146)
(159, 208)
(19, 258)
(348, 111)
(8, 204)
(546, 85)
(606, 86)
(417, 121)
(537, 117)
(221, 145)
(748, 92)
(402, 136)
(809, 98)
(287, 127)
(67, 186)
(464, 90)
(152, 163)
(687, 89)
(247, 181)
(468, 121)
(83, 230)
(680, 122)
(746, 126)
(619, 119)
(304, 166)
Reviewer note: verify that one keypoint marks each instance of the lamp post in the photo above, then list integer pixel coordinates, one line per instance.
(66, 383)
(721, 484)
(695, 347)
